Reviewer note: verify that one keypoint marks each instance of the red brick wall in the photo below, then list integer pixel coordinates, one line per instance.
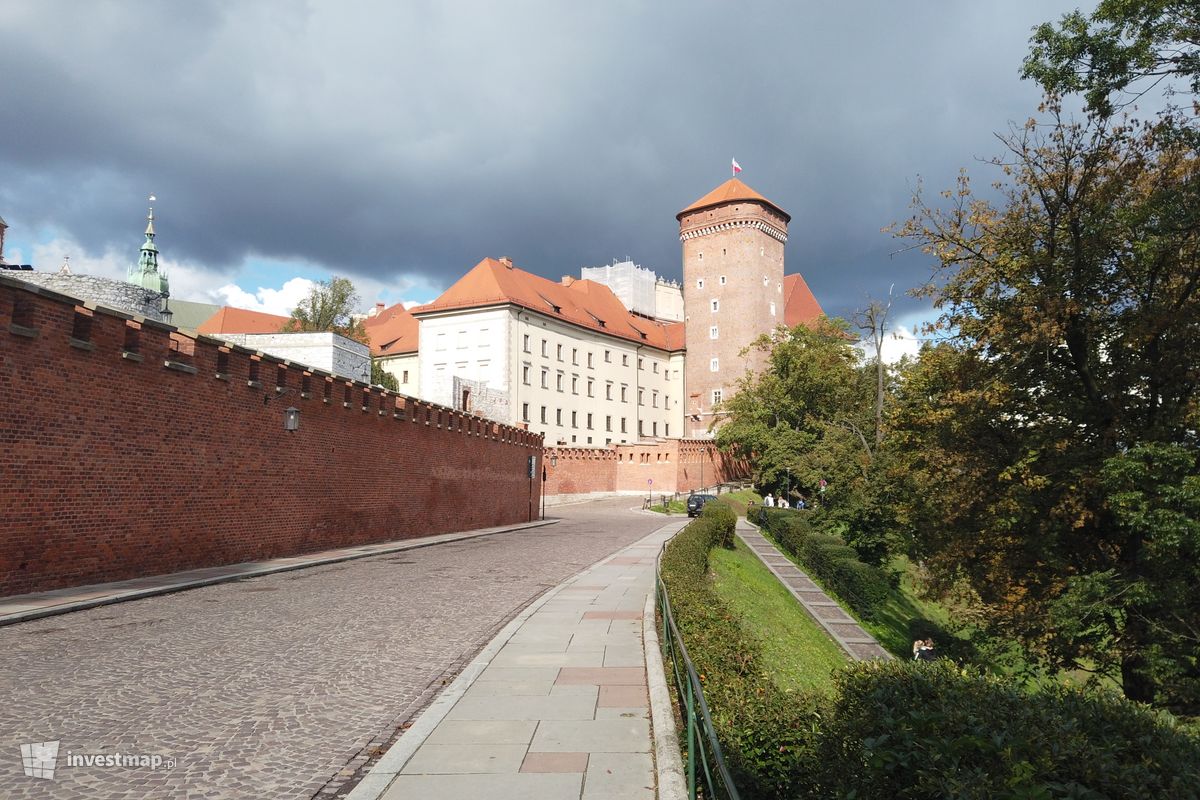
(115, 467)
(674, 465)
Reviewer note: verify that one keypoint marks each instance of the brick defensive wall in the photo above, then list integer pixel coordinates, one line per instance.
(130, 449)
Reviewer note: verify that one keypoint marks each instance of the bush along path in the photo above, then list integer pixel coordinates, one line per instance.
(844, 629)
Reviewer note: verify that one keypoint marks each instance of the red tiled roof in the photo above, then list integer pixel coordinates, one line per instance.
(393, 331)
(800, 307)
(240, 320)
(731, 191)
(584, 303)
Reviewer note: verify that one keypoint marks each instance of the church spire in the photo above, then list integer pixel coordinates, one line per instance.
(147, 274)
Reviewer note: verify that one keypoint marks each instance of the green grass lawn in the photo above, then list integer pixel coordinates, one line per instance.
(739, 500)
(672, 507)
(795, 650)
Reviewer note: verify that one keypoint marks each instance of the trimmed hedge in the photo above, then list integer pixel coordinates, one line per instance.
(865, 588)
(929, 730)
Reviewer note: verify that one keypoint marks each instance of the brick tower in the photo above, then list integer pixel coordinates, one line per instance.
(733, 240)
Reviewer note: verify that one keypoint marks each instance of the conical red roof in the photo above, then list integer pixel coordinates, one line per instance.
(731, 191)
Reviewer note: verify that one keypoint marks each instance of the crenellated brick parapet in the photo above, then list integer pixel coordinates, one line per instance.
(131, 448)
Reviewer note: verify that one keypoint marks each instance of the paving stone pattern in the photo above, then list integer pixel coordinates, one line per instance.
(560, 711)
(826, 611)
(279, 686)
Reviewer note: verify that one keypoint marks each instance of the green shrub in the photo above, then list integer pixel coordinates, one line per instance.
(899, 729)
(723, 521)
(863, 587)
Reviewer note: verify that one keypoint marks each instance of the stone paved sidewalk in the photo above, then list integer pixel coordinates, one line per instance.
(25, 607)
(831, 616)
(556, 708)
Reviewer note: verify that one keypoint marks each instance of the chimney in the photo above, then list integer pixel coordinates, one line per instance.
(506, 261)
(567, 280)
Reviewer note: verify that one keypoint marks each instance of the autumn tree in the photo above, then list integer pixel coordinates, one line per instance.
(1052, 444)
(330, 306)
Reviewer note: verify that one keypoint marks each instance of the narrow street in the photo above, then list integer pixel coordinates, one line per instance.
(272, 686)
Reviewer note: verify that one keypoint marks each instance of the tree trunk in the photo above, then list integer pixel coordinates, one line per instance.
(1137, 682)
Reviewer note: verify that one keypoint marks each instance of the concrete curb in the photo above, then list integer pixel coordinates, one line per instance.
(667, 758)
(269, 569)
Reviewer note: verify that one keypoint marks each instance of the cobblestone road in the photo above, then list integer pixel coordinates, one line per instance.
(270, 687)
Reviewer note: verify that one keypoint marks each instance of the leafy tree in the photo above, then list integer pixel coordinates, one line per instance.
(808, 418)
(1075, 307)
(381, 377)
(329, 307)
(1123, 43)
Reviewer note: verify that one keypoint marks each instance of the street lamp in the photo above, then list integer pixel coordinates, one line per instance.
(291, 419)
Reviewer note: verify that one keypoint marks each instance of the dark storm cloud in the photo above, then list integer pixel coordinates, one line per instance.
(389, 138)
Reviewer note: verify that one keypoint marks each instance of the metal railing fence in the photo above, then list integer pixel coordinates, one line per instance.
(703, 757)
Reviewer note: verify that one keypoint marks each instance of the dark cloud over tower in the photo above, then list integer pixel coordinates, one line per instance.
(380, 139)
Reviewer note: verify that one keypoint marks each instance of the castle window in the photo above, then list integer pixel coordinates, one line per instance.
(526, 343)
(654, 364)
(589, 421)
(575, 356)
(574, 385)
(716, 305)
(525, 412)
(624, 394)
(622, 426)
(666, 429)
(641, 364)
(607, 356)
(560, 381)
(722, 253)
(722, 280)
(524, 375)
(714, 365)
(716, 396)
(545, 352)
(654, 432)
(608, 424)
(545, 379)
(608, 391)
(700, 283)
(591, 383)
(574, 419)
(779, 287)
(543, 415)
(558, 417)
(700, 256)
(766, 280)
(654, 399)
(625, 359)
(558, 352)
(406, 377)
(641, 398)
(589, 360)
(772, 309)
(712, 332)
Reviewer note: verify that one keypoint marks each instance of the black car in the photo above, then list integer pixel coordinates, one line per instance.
(695, 503)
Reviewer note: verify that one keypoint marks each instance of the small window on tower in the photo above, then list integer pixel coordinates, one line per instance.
(772, 309)
(722, 280)
(716, 396)
(716, 305)
(712, 332)
(779, 287)
(700, 283)
(714, 365)
(701, 256)
(766, 280)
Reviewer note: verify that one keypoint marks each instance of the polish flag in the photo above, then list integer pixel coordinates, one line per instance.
(736, 166)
